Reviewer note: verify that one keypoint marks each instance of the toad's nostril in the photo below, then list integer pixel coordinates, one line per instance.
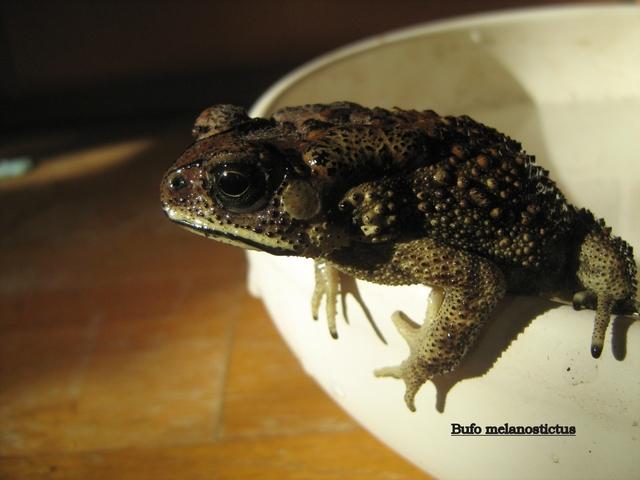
(178, 182)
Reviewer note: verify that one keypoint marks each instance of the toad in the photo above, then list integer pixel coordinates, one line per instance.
(400, 197)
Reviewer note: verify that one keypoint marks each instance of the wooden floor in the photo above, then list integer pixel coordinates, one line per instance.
(130, 348)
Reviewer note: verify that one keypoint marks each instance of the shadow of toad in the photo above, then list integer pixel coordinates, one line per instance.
(510, 319)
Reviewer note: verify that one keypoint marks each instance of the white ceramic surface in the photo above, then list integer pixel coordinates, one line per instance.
(566, 83)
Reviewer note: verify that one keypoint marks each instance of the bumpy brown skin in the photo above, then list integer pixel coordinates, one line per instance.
(400, 197)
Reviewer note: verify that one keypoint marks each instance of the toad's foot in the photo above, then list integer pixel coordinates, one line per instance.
(330, 283)
(608, 273)
(410, 371)
(327, 283)
(453, 321)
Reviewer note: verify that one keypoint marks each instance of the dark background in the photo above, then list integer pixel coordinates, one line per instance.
(79, 63)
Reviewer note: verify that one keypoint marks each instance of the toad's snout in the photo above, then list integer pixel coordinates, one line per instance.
(179, 186)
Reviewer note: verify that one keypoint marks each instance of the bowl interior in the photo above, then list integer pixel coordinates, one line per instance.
(566, 84)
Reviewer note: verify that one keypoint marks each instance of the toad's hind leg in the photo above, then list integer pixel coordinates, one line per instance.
(607, 271)
(467, 289)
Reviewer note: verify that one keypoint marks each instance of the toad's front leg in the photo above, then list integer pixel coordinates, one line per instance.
(467, 288)
(327, 282)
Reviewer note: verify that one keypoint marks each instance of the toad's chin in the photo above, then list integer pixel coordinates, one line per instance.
(235, 238)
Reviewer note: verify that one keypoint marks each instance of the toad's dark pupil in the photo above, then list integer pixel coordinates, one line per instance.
(232, 183)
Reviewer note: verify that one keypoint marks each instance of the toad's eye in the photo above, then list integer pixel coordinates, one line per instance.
(240, 188)
(233, 184)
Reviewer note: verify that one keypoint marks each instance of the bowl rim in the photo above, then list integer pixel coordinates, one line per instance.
(261, 106)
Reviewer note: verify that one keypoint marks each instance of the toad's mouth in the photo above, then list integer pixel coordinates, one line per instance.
(231, 238)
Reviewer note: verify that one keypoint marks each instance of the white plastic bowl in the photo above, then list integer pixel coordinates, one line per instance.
(566, 83)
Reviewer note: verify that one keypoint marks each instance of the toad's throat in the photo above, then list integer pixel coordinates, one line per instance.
(232, 238)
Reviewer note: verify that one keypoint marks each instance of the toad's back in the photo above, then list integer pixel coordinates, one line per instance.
(453, 179)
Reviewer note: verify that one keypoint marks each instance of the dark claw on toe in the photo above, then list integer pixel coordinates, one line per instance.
(596, 350)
